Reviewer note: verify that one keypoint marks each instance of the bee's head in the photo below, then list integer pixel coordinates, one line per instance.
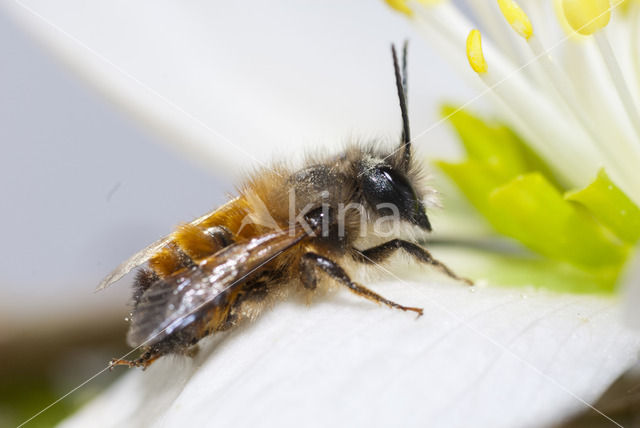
(387, 182)
(389, 190)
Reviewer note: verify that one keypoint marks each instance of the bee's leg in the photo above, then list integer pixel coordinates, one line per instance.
(308, 272)
(144, 361)
(384, 251)
(312, 261)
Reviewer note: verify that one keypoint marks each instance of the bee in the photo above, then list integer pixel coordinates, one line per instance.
(286, 230)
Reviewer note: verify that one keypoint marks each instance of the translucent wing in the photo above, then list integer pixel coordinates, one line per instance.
(133, 262)
(173, 303)
(144, 255)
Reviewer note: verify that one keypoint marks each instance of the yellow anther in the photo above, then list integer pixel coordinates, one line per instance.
(587, 16)
(400, 6)
(474, 52)
(516, 17)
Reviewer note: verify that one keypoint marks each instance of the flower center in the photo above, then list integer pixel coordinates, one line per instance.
(579, 108)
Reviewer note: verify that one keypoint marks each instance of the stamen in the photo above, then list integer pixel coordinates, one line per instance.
(400, 6)
(516, 17)
(618, 80)
(563, 112)
(474, 52)
(439, 22)
(565, 90)
(587, 16)
(558, 8)
(489, 19)
(444, 26)
(537, 120)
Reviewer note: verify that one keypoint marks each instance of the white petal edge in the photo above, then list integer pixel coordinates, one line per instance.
(497, 357)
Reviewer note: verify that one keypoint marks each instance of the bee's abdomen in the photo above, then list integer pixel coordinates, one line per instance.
(168, 260)
(190, 244)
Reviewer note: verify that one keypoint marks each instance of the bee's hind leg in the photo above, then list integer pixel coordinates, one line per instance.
(384, 251)
(145, 360)
(312, 261)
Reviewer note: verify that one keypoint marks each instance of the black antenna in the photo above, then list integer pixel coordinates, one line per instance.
(401, 82)
(404, 70)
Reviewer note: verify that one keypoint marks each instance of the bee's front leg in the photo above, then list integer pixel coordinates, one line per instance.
(384, 251)
(311, 262)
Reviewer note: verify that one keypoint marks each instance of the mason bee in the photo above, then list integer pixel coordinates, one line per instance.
(289, 229)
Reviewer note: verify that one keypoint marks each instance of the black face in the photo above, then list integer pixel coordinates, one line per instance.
(381, 186)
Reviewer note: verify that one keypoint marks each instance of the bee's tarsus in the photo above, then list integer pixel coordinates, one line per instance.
(144, 361)
(119, 362)
(419, 311)
(316, 261)
(384, 251)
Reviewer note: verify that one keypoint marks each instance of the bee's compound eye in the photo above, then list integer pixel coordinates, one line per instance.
(389, 192)
(381, 185)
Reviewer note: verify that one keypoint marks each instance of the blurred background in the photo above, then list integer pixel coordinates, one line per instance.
(82, 188)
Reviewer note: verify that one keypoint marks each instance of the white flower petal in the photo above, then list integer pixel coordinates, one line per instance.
(498, 357)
